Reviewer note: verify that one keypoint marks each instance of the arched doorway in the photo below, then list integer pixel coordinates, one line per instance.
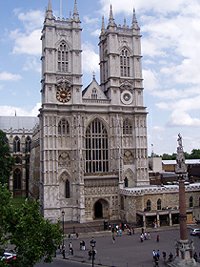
(101, 209)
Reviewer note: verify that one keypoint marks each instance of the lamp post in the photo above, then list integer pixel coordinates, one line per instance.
(93, 244)
(63, 227)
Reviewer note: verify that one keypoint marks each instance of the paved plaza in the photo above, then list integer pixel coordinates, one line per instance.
(127, 251)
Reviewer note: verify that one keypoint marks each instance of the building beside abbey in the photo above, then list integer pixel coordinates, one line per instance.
(86, 153)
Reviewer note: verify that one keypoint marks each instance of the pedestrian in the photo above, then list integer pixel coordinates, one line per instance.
(157, 238)
(158, 254)
(83, 245)
(195, 256)
(63, 251)
(141, 237)
(164, 254)
(113, 238)
(170, 258)
(71, 252)
(90, 254)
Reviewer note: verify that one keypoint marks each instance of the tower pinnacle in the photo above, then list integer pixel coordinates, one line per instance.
(75, 13)
(111, 18)
(134, 21)
(49, 12)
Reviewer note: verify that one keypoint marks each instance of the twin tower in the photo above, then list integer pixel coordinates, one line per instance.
(93, 140)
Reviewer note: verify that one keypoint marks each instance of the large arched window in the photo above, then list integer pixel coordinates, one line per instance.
(67, 189)
(148, 207)
(28, 144)
(63, 127)
(96, 147)
(159, 207)
(63, 58)
(124, 63)
(16, 144)
(17, 179)
(191, 202)
(127, 127)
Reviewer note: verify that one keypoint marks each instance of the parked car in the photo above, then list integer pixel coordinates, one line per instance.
(8, 257)
(195, 232)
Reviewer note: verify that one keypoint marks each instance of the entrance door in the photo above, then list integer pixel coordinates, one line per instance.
(98, 210)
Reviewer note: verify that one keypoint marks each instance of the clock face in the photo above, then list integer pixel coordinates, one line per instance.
(63, 95)
(126, 97)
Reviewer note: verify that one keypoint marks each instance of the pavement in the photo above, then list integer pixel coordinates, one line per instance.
(126, 251)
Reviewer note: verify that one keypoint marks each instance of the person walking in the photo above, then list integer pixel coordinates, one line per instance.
(71, 252)
(157, 238)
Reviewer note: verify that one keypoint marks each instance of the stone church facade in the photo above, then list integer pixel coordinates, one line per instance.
(88, 158)
(93, 142)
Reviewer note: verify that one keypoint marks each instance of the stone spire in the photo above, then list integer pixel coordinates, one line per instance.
(111, 21)
(102, 26)
(124, 23)
(134, 21)
(75, 13)
(49, 12)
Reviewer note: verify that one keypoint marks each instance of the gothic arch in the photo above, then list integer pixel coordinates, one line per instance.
(16, 144)
(101, 209)
(65, 185)
(129, 174)
(122, 47)
(68, 44)
(100, 119)
(63, 127)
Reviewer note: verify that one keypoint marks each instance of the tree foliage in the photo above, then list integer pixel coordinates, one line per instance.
(33, 237)
(195, 154)
(6, 160)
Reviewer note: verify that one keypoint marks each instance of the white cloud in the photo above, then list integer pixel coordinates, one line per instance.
(32, 63)
(150, 80)
(88, 20)
(26, 43)
(7, 76)
(11, 111)
(31, 20)
(96, 32)
(90, 58)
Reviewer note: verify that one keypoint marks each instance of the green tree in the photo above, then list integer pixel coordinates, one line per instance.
(6, 160)
(195, 154)
(33, 237)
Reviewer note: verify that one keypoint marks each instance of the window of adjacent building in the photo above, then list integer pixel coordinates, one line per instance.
(17, 179)
(94, 93)
(67, 189)
(63, 58)
(28, 144)
(16, 144)
(124, 63)
(96, 147)
(191, 202)
(148, 207)
(63, 127)
(159, 204)
(127, 127)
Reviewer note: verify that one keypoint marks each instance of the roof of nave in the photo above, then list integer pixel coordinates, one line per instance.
(10, 123)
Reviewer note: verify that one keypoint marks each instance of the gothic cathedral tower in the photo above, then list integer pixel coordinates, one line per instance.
(93, 142)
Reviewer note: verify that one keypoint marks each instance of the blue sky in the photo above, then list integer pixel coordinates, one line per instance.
(170, 49)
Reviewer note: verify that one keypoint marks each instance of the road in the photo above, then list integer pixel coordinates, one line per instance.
(127, 251)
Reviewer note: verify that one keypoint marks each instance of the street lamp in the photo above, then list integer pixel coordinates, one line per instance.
(92, 244)
(63, 227)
